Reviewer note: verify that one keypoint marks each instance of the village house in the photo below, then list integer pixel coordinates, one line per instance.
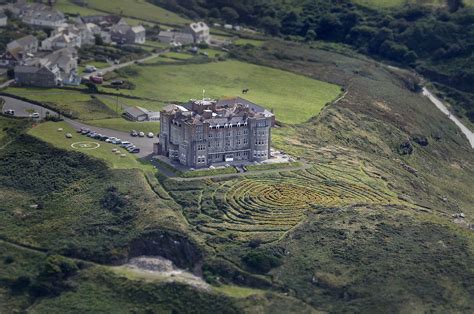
(19, 50)
(37, 75)
(170, 37)
(199, 31)
(41, 15)
(27, 44)
(60, 41)
(206, 132)
(54, 69)
(102, 21)
(122, 33)
(3, 19)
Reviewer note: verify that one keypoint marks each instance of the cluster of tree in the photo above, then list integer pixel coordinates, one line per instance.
(30, 165)
(52, 280)
(440, 40)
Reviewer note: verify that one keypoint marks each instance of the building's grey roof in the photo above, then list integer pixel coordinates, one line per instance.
(136, 111)
(2, 14)
(22, 42)
(176, 36)
(238, 100)
(27, 69)
(45, 14)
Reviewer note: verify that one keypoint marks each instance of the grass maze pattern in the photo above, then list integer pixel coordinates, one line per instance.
(266, 207)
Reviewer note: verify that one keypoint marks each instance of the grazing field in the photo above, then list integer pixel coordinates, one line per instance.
(139, 9)
(293, 98)
(48, 132)
(71, 102)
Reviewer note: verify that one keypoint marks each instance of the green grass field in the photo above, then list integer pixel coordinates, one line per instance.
(294, 98)
(49, 133)
(139, 9)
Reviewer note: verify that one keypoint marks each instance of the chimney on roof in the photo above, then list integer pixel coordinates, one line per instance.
(207, 114)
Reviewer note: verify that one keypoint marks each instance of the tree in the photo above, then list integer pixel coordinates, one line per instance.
(310, 35)
(229, 14)
(271, 25)
(454, 5)
(215, 13)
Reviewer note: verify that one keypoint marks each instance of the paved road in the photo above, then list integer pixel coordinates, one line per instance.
(122, 65)
(24, 109)
(442, 107)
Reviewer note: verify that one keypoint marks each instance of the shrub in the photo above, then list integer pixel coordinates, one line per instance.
(262, 261)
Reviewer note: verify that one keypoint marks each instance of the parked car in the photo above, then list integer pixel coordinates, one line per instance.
(135, 150)
(117, 82)
(90, 69)
(134, 133)
(125, 143)
(10, 112)
(150, 135)
(35, 115)
(96, 79)
(141, 134)
(85, 131)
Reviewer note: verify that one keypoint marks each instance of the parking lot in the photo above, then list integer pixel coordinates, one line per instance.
(25, 109)
(144, 143)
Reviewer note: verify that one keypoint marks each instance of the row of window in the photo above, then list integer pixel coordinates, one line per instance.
(229, 133)
(260, 153)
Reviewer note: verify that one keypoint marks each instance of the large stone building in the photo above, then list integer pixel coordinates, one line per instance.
(206, 132)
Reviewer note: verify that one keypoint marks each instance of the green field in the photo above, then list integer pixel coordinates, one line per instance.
(139, 9)
(294, 98)
(49, 133)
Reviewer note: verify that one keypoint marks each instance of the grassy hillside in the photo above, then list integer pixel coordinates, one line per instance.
(293, 98)
(366, 228)
(137, 9)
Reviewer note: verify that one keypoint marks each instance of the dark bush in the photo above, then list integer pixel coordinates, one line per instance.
(262, 261)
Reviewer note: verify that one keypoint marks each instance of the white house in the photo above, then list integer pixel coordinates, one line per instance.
(60, 41)
(3, 19)
(200, 32)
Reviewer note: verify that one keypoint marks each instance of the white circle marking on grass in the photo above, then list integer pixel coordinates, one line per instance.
(85, 145)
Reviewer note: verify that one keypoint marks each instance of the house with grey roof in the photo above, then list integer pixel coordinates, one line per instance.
(54, 69)
(28, 44)
(37, 75)
(170, 37)
(62, 40)
(206, 132)
(122, 33)
(41, 15)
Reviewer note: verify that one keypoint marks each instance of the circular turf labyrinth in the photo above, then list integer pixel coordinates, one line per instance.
(268, 207)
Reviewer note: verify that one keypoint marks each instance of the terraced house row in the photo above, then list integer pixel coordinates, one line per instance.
(206, 132)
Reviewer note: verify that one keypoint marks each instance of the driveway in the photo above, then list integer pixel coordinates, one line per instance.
(24, 109)
(122, 65)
